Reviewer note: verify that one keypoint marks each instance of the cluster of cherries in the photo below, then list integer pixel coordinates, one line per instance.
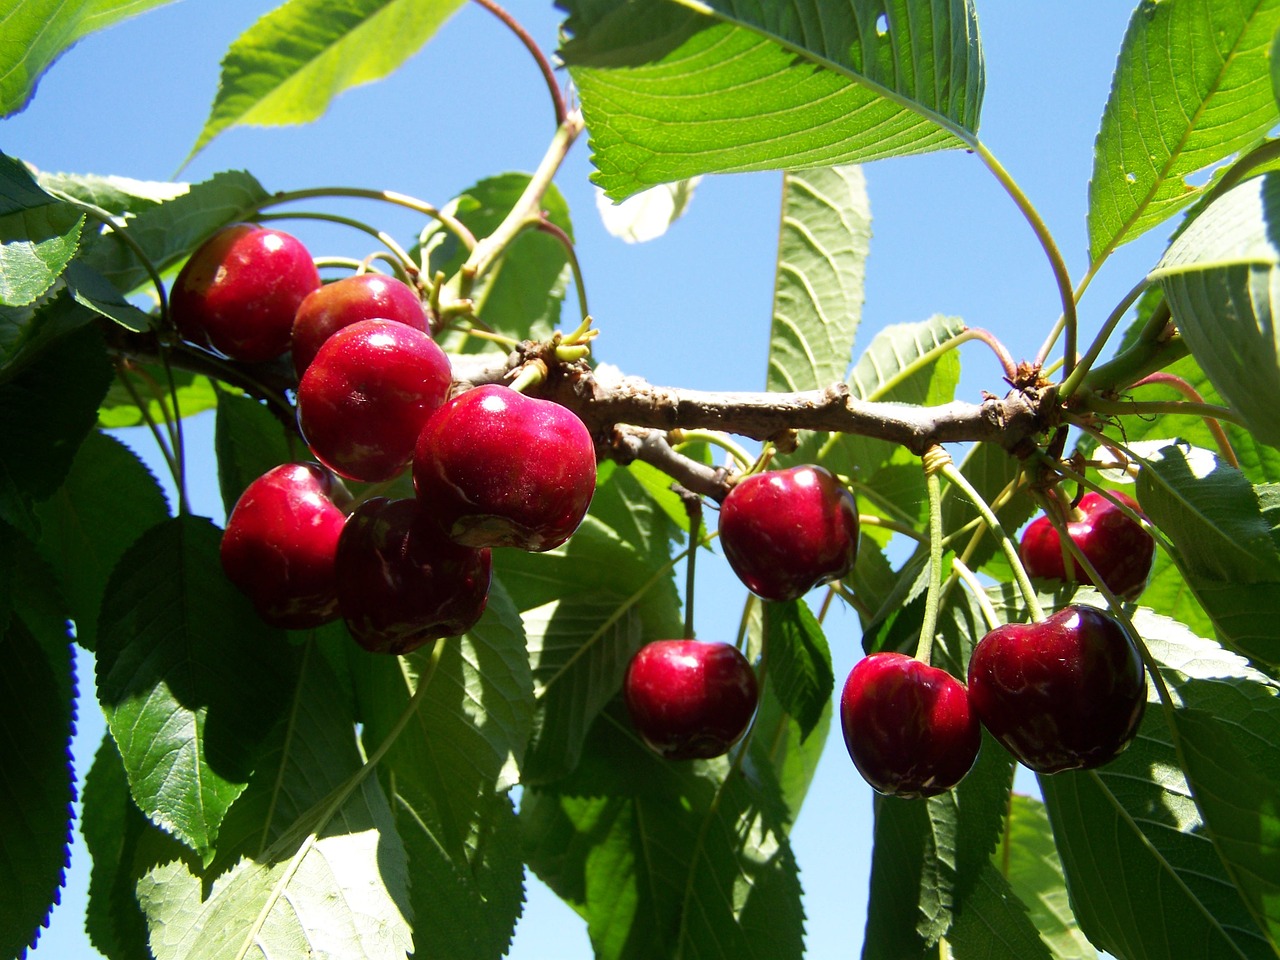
(491, 467)
(1064, 693)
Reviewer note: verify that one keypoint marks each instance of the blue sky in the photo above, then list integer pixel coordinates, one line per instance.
(691, 308)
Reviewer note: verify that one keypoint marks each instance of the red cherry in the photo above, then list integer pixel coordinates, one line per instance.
(786, 531)
(690, 700)
(499, 469)
(364, 296)
(1066, 693)
(1117, 546)
(401, 583)
(239, 291)
(279, 545)
(908, 726)
(365, 397)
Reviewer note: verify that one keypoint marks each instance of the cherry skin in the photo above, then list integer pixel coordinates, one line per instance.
(1117, 546)
(364, 399)
(786, 531)
(500, 469)
(239, 291)
(1066, 693)
(279, 546)
(908, 726)
(401, 583)
(689, 699)
(364, 296)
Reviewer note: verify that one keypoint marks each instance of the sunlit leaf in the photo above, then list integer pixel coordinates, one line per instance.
(824, 240)
(288, 67)
(39, 235)
(672, 91)
(646, 215)
(1192, 87)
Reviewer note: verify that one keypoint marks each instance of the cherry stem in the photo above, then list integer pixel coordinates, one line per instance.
(934, 459)
(144, 411)
(872, 520)
(1059, 267)
(970, 580)
(1190, 392)
(1075, 377)
(542, 224)
(544, 66)
(998, 348)
(853, 600)
(529, 375)
(179, 444)
(451, 223)
(404, 264)
(1093, 401)
(1010, 549)
(693, 507)
(681, 437)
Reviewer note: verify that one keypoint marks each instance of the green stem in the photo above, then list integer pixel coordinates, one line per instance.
(1092, 401)
(693, 507)
(717, 439)
(924, 648)
(156, 434)
(544, 66)
(451, 223)
(549, 228)
(1006, 542)
(179, 444)
(1076, 376)
(970, 580)
(404, 264)
(1059, 267)
(120, 229)
(871, 520)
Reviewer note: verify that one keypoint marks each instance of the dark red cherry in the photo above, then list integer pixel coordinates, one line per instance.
(364, 296)
(402, 583)
(366, 396)
(239, 291)
(499, 469)
(784, 532)
(908, 726)
(279, 545)
(1117, 546)
(690, 699)
(1066, 693)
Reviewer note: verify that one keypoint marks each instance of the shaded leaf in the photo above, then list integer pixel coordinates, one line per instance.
(1191, 89)
(992, 923)
(823, 243)
(249, 441)
(799, 662)
(107, 501)
(195, 394)
(189, 678)
(288, 67)
(671, 91)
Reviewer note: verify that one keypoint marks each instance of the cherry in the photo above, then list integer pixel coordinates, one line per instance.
(1117, 546)
(1066, 693)
(688, 699)
(786, 531)
(279, 545)
(499, 469)
(908, 726)
(239, 291)
(364, 296)
(366, 395)
(402, 583)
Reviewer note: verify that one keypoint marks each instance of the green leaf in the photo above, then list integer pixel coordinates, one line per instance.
(1227, 722)
(46, 410)
(467, 740)
(288, 67)
(1191, 89)
(36, 717)
(39, 235)
(990, 468)
(818, 291)
(107, 501)
(799, 662)
(1221, 277)
(249, 441)
(189, 678)
(37, 32)
(167, 232)
(587, 607)
(123, 845)
(669, 92)
(993, 923)
(1227, 547)
(778, 743)
(521, 296)
(1028, 859)
(667, 859)
(324, 872)
(1144, 876)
